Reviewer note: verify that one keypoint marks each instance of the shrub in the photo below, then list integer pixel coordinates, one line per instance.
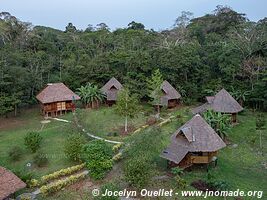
(117, 147)
(181, 183)
(109, 187)
(40, 159)
(24, 175)
(33, 141)
(117, 157)
(177, 171)
(98, 158)
(15, 153)
(138, 171)
(62, 172)
(221, 185)
(33, 183)
(73, 146)
(52, 188)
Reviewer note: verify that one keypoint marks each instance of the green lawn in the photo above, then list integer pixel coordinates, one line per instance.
(54, 134)
(240, 165)
(103, 121)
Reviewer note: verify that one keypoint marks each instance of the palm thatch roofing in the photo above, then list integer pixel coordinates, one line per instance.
(169, 93)
(111, 89)
(222, 102)
(9, 183)
(56, 92)
(196, 135)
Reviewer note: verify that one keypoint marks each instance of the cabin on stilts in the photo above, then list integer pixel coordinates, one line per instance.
(111, 89)
(56, 99)
(222, 102)
(193, 143)
(170, 96)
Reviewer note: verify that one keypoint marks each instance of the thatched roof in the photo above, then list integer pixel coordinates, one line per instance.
(9, 183)
(111, 89)
(169, 92)
(222, 102)
(196, 135)
(56, 92)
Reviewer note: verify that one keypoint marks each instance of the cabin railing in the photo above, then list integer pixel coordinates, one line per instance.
(200, 159)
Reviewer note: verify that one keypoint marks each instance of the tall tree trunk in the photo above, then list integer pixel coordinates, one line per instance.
(126, 124)
(15, 110)
(158, 106)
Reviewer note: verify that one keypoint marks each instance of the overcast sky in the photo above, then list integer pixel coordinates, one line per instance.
(156, 14)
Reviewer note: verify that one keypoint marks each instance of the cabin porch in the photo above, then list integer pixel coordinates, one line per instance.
(194, 158)
(57, 108)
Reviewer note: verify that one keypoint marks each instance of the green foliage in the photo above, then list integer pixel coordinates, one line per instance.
(110, 187)
(40, 159)
(260, 122)
(177, 171)
(60, 173)
(221, 123)
(98, 157)
(24, 175)
(197, 53)
(181, 183)
(52, 188)
(73, 146)
(138, 171)
(33, 141)
(15, 153)
(91, 95)
(154, 87)
(127, 105)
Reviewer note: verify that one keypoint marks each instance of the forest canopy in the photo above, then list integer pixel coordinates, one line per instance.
(196, 55)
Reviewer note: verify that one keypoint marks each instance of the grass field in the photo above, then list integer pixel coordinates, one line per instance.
(242, 164)
(53, 133)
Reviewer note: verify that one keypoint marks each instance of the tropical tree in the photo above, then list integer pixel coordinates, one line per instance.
(239, 95)
(91, 95)
(154, 88)
(260, 126)
(127, 106)
(221, 123)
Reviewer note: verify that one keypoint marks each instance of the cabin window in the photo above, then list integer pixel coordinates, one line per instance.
(61, 106)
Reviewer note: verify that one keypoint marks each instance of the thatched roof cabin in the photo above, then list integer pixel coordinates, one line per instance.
(56, 97)
(111, 89)
(9, 183)
(170, 97)
(194, 142)
(222, 102)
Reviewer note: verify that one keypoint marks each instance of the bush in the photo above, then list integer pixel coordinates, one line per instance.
(73, 146)
(62, 172)
(220, 185)
(109, 187)
(24, 175)
(181, 183)
(138, 171)
(98, 158)
(52, 188)
(33, 141)
(177, 171)
(15, 153)
(117, 147)
(40, 159)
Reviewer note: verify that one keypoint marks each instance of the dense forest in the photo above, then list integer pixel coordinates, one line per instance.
(196, 55)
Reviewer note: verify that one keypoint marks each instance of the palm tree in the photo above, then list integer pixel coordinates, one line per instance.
(239, 95)
(91, 95)
(219, 122)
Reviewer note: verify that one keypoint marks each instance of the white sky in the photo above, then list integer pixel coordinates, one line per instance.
(156, 14)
